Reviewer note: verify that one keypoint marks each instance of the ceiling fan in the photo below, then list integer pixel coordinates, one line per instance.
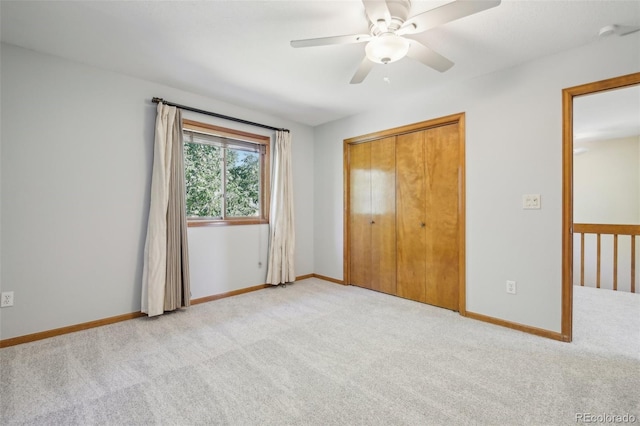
(390, 22)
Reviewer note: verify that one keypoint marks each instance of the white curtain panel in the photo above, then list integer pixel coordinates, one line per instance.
(155, 251)
(282, 233)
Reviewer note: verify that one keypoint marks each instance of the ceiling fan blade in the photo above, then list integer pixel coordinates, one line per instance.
(429, 57)
(443, 14)
(377, 11)
(326, 41)
(363, 70)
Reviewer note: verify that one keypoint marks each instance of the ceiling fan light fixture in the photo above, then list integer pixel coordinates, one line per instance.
(387, 48)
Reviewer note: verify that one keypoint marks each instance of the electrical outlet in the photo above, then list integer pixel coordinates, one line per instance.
(511, 287)
(6, 299)
(531, 201)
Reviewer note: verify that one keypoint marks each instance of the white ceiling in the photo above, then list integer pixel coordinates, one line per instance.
(238, 51)
(607, 115)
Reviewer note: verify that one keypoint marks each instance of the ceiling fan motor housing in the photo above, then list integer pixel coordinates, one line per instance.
(398, 12)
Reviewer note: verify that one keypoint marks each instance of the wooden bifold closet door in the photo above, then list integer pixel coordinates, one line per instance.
(427, 216)
(405, 219)
(372, 221)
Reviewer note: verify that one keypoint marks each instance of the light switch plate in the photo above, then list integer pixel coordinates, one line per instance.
(531, 201)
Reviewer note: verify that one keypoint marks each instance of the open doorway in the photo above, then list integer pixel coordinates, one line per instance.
(597, 222)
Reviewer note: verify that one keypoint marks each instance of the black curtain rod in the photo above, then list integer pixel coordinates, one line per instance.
(213, 114)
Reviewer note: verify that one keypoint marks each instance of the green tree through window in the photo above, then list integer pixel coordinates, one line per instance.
(203, 179)
(243, 183)
(222, 177)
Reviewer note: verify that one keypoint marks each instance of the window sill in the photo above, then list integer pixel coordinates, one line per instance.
(226, 222)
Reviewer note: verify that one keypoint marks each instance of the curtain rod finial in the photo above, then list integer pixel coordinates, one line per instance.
(157, 100)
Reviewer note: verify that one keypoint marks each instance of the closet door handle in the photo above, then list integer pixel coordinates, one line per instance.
(422, 224)
(373, 221)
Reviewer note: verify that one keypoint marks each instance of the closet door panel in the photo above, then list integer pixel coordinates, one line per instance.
(442, 189)
(360, 214)
(383, 205)
(410, 216)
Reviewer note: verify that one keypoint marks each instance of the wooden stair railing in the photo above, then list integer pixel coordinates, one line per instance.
(605, 229)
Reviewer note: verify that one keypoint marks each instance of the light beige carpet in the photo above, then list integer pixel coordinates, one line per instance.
(317, 353)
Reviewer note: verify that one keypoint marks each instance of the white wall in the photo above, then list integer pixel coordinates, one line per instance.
(606, 185)
(1, 187)
(77, 148)
(513, 147)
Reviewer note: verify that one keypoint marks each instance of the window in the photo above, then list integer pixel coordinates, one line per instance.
(226, 175)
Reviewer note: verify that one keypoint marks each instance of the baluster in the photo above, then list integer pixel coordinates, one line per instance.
(582, 259)
(633, 264)
(598, 264)
(615, 261)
